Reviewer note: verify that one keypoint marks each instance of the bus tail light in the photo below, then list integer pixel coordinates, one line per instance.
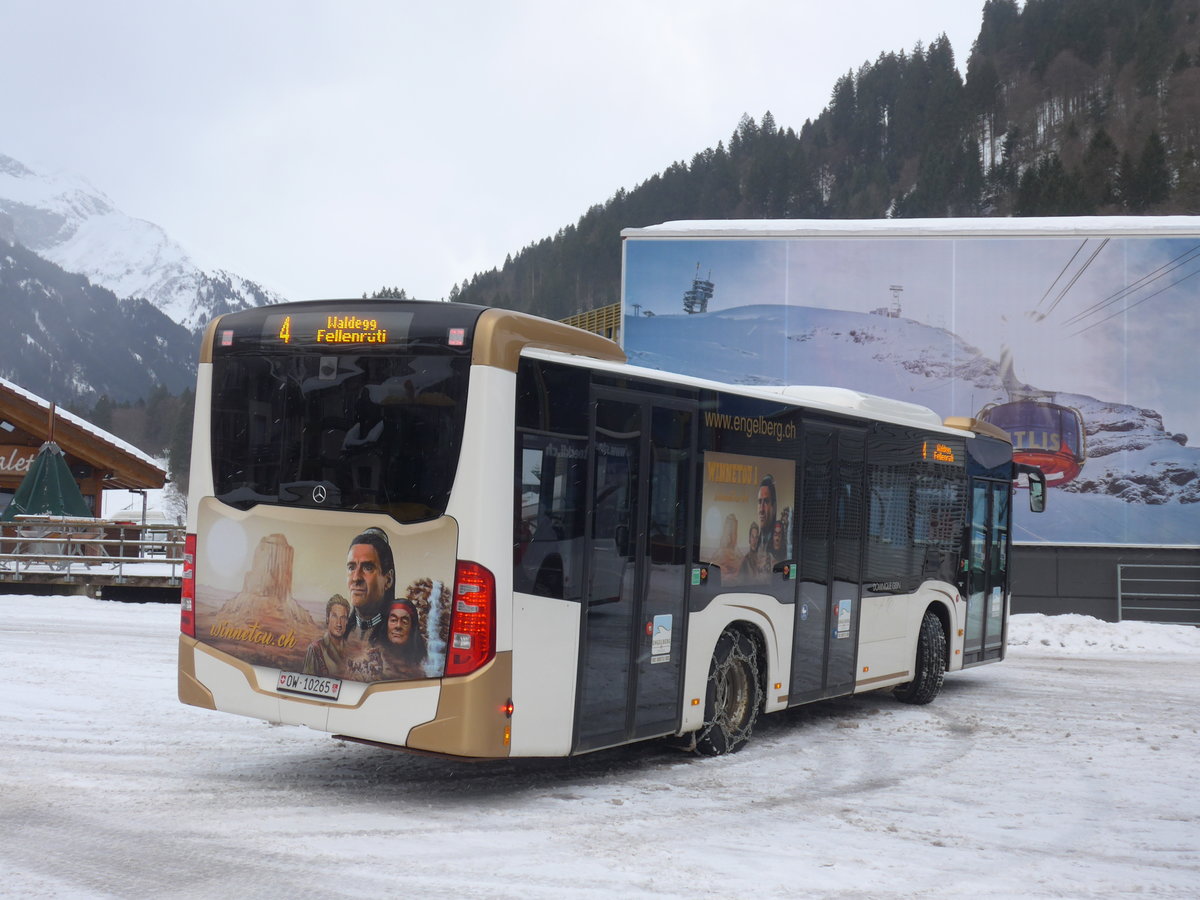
(187, 593)
(472, 619)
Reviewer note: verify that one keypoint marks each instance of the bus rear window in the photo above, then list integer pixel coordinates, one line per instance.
(377, 432)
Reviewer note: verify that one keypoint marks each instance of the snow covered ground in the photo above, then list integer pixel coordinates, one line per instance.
(1069, 770)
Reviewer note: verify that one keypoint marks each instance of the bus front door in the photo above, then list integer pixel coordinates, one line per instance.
(635, 596)
(987, 570)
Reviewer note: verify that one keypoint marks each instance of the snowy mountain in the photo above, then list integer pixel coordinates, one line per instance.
(1139, 477)
(897, 358)
(70, 341)
(70, 223)
(1131, 456)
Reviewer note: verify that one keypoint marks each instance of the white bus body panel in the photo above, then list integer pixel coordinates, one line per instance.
(545, 670)
(385, 716)
(886, 648)
(953, 601)
(543, 632)
(889, 629)
(773, 619)
(200, 477)
(482, 498)
(888, 632)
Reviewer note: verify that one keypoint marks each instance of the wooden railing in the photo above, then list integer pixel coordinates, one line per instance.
(78, 548)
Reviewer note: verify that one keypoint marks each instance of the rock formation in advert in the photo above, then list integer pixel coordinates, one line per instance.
(266, 593)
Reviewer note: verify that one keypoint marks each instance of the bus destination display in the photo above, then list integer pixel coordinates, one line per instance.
(337, 329)
(936, 451)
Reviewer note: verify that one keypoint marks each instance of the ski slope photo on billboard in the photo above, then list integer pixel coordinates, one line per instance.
(1074, 336)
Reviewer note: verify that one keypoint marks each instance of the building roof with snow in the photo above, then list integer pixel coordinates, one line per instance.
(98, 460)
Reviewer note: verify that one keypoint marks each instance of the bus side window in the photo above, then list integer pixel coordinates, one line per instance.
(547, 538)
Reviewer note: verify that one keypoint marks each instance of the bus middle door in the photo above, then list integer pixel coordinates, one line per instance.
(638, 536)
(832, 519)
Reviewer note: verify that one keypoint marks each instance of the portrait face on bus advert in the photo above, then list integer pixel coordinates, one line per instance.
(337, 599)
(747, 515)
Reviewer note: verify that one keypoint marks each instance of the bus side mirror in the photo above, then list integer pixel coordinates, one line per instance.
(1037, 487)
(707, 574)
(1037, 492)
(785, 569)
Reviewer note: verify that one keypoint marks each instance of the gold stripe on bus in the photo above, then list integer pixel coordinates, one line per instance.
(878, 678)
(977, 426)
(471, 717)
(501, 335)
(191, 691)
(210, 335)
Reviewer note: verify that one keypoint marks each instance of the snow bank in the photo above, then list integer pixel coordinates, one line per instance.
(1087, 636)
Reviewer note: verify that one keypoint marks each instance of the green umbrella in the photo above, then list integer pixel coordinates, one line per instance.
(48, 489)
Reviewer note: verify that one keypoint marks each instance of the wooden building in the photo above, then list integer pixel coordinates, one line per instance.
(98, 460)
(604, 321)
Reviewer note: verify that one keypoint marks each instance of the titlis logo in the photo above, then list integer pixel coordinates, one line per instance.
(319, 494)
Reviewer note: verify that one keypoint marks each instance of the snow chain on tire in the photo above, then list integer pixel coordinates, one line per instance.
(733, 696)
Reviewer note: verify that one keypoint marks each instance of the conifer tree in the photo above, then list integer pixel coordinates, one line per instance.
(179, 451)
(102, 413)
(1101, 165)
(1126, 186)
(1153, 176)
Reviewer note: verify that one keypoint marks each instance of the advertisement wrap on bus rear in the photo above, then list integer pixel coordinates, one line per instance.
(325, 596)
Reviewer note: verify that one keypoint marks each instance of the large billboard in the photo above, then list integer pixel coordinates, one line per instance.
(1079, 338)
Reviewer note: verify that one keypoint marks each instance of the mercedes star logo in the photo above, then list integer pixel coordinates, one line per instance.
(319, 494)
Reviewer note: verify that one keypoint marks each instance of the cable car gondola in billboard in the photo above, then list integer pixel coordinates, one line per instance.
(1046, 435)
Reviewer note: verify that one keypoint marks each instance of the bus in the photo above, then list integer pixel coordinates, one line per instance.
(475, 533)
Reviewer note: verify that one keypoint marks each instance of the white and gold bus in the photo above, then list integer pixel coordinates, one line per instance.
(477, 533)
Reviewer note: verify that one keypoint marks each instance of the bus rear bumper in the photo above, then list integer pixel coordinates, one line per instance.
(464, 716)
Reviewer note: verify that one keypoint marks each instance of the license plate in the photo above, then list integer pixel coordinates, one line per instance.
(314, 685)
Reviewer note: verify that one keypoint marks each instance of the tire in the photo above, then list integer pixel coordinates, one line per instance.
(930, 668)
(734, 695)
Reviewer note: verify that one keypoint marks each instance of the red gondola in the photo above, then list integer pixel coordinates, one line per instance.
(1044, 434)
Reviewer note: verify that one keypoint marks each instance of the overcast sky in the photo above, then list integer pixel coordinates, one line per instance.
(326, 149)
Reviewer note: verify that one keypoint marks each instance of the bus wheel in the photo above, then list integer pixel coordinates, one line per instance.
(930, 667)
(734, 695)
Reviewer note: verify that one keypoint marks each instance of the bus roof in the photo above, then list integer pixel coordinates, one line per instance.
(843, 401)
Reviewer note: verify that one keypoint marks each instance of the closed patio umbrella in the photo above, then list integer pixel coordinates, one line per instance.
(48, 489)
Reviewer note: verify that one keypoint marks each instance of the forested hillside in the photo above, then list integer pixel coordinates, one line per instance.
(1068, 107)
